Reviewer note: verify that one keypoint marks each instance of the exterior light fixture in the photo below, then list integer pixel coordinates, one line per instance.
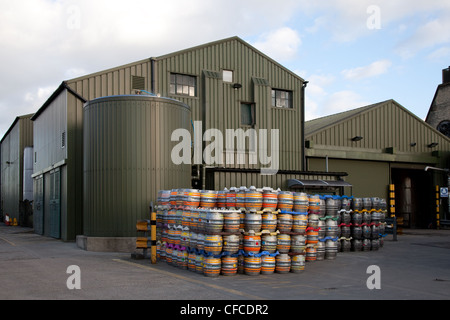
(433, 145)
(237, 86)
(357, 138)
(413, 144)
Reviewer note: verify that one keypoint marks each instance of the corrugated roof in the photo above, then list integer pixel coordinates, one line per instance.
(235, 38)
(61, 88)
(27, 116)
(319, 124)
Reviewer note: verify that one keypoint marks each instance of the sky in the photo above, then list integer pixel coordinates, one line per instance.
(352, 52)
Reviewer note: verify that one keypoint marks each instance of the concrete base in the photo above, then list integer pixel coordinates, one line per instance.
(106, 244)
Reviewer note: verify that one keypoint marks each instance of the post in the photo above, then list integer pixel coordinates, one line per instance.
(392, 210)
(438, 202)
(153, 234)
(392, 199)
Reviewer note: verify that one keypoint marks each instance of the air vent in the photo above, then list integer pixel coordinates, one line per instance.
(63, 140)
(138, 83)
(212, 74)
(260, 81)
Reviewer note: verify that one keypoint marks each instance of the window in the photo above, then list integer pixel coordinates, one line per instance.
(281, 98)
(248, 114)
(181, 84)
(227, 76)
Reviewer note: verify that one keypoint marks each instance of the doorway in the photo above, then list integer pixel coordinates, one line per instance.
(414, 198)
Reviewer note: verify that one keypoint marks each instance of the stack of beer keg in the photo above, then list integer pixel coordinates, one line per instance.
(261, 231)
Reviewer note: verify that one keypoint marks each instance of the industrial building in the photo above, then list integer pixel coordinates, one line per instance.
(381, 145)
(16, 185)
(227, 84)
(103, 143)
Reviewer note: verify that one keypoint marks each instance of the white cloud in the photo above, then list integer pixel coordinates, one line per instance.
(346, 20)
(282, 44)
(441, 54)
(323, 97)
(428, 35)
(374, 69)
(40, 96)
(319, 23)
(343, 101)
(45, 41)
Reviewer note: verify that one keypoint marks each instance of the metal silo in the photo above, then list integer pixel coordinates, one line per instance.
(127, 160)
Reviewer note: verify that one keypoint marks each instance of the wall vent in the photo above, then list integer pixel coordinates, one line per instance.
(137, 83)
(63, 140)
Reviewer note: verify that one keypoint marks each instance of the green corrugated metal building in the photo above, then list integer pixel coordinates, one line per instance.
(380, 145)
(18, 137)
(227, 84)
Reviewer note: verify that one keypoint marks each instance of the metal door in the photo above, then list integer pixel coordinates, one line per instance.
(55, 204)
(38, 210)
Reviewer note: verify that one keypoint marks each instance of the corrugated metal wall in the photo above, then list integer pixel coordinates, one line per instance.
(127, 160)
(18, 137)
(218, 104)
(116, 81)
(11, 172)
(49, 128)
(224, 179)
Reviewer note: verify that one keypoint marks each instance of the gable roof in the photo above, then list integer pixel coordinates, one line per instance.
(230, 39)
(16, 120)
(63, 86)
(382, 125)
(319, 124)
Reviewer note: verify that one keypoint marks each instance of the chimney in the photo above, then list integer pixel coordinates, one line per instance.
(446, 75)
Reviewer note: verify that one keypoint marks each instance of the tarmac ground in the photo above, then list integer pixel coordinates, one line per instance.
(33, 267)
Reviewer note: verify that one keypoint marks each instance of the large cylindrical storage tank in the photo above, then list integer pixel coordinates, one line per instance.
(127, 160)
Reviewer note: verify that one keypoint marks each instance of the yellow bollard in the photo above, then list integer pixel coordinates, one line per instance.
(153, 237)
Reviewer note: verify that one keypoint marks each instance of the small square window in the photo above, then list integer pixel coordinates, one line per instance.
(227, 76)
(282, 99)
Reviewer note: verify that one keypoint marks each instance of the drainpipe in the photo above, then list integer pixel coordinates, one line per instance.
(305, 84)
(152, 75)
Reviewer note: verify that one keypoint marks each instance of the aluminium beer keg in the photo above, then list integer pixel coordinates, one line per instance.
(212, 266)
(285, 200)
(229, 265)
(298, 263)
(301, 202)
(284, 222)
(283, 263)
(270, 199)
(268, 264)
(253, 199)
(214, 221)
(269, 221)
